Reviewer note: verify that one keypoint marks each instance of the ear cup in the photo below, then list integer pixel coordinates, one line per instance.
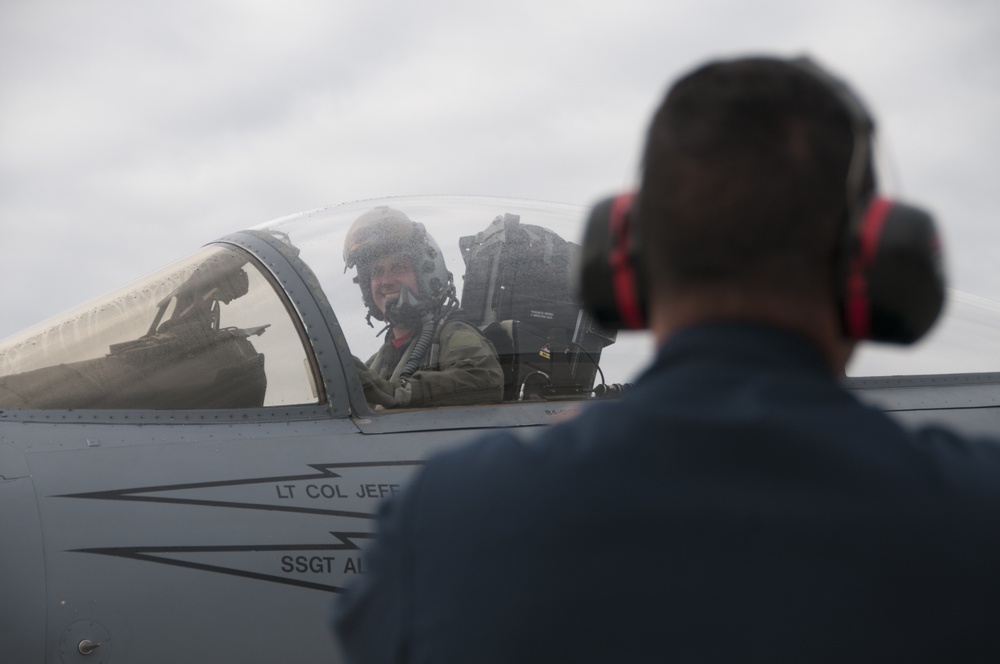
(612, 285)
(893, 284)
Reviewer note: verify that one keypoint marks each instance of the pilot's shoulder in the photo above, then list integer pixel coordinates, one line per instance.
(461, 333)
(455, 325)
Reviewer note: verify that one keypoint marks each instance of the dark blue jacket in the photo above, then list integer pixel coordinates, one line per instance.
(738, 505)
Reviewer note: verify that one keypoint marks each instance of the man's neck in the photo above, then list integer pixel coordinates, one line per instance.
(400, 335)
(817, 322)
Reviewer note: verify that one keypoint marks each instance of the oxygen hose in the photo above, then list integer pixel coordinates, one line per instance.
(420, 346)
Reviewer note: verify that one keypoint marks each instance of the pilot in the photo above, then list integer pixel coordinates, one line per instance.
(738, 504)
(431, 355)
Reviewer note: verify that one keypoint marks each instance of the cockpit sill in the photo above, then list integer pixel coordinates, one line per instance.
(890, 393)
(513, 414)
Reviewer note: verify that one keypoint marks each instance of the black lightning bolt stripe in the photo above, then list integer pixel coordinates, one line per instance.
(148, 554)
(138, 494)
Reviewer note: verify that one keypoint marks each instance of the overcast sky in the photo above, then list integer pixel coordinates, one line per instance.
(132, 133)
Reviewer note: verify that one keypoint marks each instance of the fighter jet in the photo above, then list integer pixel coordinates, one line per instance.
(189, 468)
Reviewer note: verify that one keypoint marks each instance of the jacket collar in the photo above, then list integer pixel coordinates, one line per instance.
(742, 342)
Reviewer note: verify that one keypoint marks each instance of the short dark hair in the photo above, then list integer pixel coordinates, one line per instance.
(744, 181)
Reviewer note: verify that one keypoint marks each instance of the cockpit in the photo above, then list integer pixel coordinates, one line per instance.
(270, 317)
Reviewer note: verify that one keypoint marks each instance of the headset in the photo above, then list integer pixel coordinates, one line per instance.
(889, 273)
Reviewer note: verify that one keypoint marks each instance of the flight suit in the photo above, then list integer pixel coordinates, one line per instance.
(466, 372)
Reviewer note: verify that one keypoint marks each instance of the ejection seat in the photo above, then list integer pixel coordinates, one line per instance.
(518, 289)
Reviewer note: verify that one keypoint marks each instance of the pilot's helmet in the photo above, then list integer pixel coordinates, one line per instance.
(385, 230)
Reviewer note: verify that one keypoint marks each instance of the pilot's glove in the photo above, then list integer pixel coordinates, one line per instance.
(382, 391)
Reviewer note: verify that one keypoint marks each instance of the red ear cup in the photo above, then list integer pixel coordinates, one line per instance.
(893, 283)
(856, 300)
(624, 264)
(611, 281)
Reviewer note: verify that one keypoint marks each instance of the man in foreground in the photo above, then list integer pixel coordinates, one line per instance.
(738, 504)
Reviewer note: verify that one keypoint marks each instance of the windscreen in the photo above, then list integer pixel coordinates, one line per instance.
(210, 331)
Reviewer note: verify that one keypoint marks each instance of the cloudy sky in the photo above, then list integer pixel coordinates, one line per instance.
(134, 132)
